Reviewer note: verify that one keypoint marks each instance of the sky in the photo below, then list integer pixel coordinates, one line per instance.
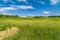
(30, 7)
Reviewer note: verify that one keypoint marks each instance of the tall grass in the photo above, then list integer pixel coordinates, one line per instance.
(45, 29)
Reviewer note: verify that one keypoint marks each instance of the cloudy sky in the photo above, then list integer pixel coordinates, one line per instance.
(30, 7)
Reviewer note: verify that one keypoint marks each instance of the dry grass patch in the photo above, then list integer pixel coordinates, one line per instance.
(9, 32)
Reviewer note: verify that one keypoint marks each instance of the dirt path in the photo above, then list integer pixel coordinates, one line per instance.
(8, 32)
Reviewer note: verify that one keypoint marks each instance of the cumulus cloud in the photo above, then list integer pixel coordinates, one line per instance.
(46, 12)
(25, 7)
(53, 2)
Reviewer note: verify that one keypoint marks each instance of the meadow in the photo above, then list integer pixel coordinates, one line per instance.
(31, 28)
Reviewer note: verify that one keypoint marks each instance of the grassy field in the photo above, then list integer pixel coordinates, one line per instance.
(32, 28)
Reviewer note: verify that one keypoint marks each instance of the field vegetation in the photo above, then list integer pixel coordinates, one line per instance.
(29, 28)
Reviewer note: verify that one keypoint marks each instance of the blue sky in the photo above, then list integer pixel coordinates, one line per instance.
(30, 7)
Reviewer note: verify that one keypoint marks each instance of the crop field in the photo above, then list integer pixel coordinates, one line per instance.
(29, 28)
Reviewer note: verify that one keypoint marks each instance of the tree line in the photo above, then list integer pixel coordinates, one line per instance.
(4, 16)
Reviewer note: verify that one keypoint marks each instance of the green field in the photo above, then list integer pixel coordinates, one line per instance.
(31, 28)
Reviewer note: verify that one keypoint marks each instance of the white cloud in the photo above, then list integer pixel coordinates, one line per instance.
(25, 7)
(25, 1)
(21, 0)
(42, 2)
(46, 12)
(53, 2)
(29, 14)
(6, 9)
(14, 7)
(5, 1)
(4, 13)
(12, 2)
